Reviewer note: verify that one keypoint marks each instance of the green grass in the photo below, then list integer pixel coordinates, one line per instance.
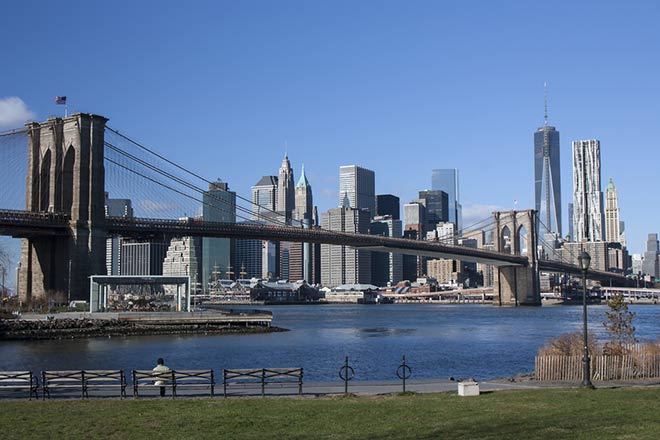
(531, 414)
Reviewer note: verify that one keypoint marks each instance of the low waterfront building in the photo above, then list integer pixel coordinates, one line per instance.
(350, 293)
(283, 292)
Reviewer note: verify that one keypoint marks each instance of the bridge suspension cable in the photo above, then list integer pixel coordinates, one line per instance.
(164, 185)
(174, 178)
(13, 132)
(13, 148)
(255, 212)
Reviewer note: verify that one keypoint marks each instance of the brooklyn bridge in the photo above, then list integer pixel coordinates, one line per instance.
(55, 175)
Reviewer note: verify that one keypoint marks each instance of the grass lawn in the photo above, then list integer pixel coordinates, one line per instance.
(631, 413)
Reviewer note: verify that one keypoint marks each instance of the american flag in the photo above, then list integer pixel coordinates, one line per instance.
(60, 100)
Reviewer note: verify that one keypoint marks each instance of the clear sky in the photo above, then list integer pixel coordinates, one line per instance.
(397, 87)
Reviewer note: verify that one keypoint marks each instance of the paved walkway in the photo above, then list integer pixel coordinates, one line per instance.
(327, 389)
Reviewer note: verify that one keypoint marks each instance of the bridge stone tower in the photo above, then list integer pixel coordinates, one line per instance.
(515, 233)
(65, 175)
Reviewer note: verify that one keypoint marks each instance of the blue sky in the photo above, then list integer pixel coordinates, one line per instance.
(397, 87)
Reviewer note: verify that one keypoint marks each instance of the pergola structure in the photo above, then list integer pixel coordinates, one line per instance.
(99, 286)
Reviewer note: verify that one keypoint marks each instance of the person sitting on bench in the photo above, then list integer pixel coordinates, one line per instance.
(161, 368)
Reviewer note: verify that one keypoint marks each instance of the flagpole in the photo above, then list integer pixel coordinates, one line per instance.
(61, 100)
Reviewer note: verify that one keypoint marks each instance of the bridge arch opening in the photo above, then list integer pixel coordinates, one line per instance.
(505, 240)
(522, 242)
(67, 179)
(44, 182)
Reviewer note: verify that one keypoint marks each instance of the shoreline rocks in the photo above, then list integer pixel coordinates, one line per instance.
(70, 328)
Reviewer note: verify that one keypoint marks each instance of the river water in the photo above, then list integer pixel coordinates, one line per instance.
(439, 341)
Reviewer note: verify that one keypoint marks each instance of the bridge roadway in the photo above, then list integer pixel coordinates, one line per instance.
(26, 224)
(138, 227)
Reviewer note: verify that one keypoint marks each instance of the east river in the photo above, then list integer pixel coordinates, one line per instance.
(439, 341)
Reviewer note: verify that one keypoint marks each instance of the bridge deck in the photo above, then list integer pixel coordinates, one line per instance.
(25, 224)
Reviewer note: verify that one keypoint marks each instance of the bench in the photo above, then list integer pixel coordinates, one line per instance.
(193, 379)
(64, 380)
(19, 380)
(174, 379)
(83, 380)
(262, 377)
(104, 380)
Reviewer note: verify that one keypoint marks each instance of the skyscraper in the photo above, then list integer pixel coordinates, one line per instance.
(571, 235)
(447, 180)
(650, 262)
(547, 177)
(437, 207)
(587, 194)
(414, 218)
(303, 195)
(142, 257)
(344, 264)
(249, 255)
(264, 196)
(115, 208)
(219, 206)
(612, 223)
(301, 255)
(182, 259)
(386, 267)
(285, 190)
(387, 204)
(414, 224)
(357, 188)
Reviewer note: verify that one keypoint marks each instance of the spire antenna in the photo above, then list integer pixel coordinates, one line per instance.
(545, 103)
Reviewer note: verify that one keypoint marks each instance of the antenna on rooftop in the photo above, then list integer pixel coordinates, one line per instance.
(545, 103)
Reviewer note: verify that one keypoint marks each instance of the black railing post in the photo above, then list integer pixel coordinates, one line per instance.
(404, 372)
(346, 373)
(263, 382)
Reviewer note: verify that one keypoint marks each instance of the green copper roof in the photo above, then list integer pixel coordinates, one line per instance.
(303, 179)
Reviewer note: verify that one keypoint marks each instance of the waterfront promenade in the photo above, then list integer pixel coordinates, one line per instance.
(336, 388)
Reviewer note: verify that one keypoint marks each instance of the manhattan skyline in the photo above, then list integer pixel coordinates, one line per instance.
(398, 90)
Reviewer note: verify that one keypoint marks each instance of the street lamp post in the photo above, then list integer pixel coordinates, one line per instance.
(585, 261)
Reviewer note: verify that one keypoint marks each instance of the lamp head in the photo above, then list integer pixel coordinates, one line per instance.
(585, 260)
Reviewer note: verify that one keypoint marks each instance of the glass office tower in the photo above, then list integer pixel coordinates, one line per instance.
(447, 180)
(547, 180)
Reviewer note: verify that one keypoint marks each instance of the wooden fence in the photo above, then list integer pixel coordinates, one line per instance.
(626, 367)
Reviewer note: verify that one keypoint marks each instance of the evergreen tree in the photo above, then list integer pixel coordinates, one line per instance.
(619, 326)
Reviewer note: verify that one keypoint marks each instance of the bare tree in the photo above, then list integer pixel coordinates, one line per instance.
(619, 326)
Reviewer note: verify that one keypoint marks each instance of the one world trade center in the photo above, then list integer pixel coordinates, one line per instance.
(547, 178)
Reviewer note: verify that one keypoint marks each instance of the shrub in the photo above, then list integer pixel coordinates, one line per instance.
(570, 344)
